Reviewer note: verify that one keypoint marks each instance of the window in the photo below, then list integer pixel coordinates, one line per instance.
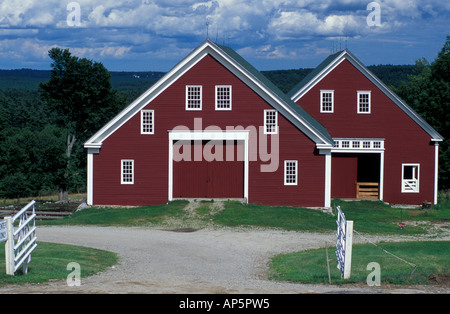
(127, 172)
(290, 172)
(363, 102)
(326, 101)
(223, 97)
(193, 98)
(410, 178)
(147, 122)
(270, 122)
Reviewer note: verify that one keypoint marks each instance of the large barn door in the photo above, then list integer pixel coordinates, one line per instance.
(344, 175)
(210, 178)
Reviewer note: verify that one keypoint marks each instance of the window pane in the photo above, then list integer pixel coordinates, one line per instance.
(327, 102)
(194, 97)
(270, 123)
(223, 97)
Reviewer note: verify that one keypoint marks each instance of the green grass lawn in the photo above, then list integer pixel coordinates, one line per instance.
(431, 257)
(50, 260)
(370, 217)
(132, 217)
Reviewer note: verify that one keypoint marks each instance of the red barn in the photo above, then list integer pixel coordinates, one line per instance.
(382, 148)
(215, 127)
(212, 127)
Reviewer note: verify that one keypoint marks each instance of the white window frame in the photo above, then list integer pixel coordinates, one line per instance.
(220, 106)
(147, 123)
(411, 185)
(123, 174)
(290, 178)
(369, 99)
(273, 126)
(322, 93)
(188, 99)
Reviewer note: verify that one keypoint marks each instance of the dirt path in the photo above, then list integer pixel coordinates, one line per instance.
(205, 261)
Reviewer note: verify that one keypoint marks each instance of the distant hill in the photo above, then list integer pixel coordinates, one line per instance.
(30, 79)
(391, 75)
(135, 83)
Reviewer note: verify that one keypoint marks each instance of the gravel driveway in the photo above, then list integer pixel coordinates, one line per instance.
(205, 261)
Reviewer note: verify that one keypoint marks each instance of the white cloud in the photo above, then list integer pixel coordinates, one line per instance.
(271, 29)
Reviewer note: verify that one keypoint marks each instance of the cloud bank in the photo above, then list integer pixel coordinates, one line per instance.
(154, 35)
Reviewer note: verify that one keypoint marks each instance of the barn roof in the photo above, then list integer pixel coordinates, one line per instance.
(244, 71)
(332, 61)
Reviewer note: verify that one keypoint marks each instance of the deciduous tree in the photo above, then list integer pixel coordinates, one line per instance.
(80, 92)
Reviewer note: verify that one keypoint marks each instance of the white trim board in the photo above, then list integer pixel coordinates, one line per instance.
(208, 48)
(209, 135)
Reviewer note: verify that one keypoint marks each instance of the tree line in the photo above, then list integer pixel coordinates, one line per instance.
(42, 129)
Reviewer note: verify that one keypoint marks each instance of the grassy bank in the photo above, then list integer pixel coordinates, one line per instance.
(50, 260)
(370, 217)
(431, 257)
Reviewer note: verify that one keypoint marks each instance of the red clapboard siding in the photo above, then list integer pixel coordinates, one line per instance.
(405, 140)
(150, 152)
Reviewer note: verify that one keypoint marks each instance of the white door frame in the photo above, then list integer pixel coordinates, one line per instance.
(182, 135)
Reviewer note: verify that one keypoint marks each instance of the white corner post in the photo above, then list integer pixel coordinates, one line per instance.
(344, 236)
(9, 246)
(436, 171)
(90, 174)
(327, 178)
(348, 249)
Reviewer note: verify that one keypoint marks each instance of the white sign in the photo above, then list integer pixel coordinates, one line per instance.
(3, 231)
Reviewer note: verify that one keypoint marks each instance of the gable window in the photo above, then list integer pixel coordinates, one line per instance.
(363, 102)
(326, 101)
(410, 178)
(290, 172)
(147, 122)
(127, 172)
(270, 122)
(223, 97)
(193, 97)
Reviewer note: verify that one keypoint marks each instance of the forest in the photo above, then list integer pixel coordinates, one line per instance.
(35, 140)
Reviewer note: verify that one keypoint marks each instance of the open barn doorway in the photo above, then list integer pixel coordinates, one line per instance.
(355, 175)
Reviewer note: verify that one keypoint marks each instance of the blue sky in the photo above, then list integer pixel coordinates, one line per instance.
(152, 35)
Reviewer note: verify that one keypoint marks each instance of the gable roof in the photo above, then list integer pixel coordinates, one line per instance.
(245, 72)
(332, 61)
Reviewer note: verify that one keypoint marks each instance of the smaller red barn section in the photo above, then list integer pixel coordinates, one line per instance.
(212, 127)
(382, 148)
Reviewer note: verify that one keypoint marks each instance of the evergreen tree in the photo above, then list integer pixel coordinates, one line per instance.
(428, 93)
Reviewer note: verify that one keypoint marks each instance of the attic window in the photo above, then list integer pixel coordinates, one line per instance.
(364, 102)
(223, 97)
(147, 122)
(270, 122)
(193, 97)
(326, 101)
